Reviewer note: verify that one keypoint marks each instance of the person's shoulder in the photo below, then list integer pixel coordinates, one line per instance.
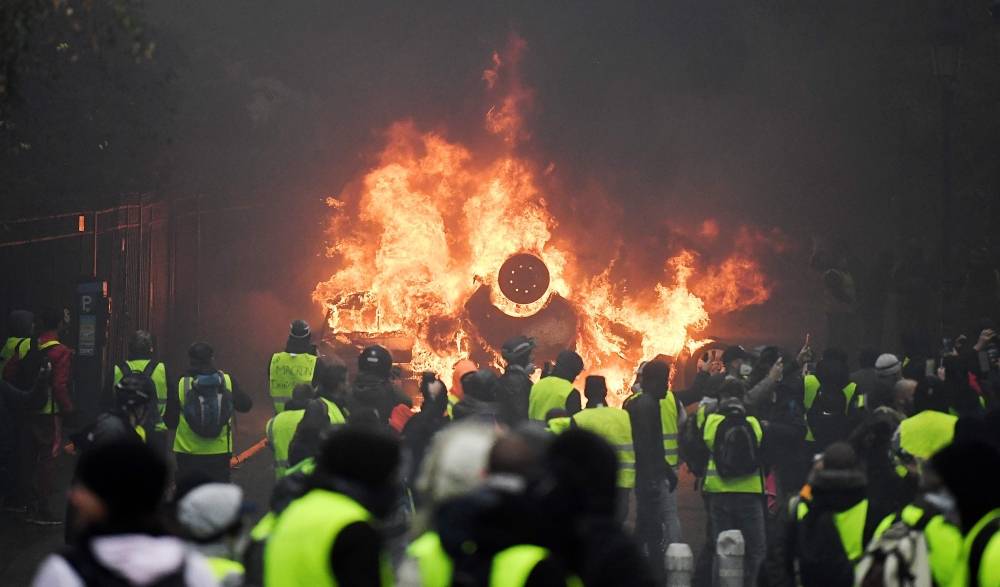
(197, 572)
(55, 571)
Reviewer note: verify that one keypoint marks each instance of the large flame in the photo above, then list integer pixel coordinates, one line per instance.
(432, 222)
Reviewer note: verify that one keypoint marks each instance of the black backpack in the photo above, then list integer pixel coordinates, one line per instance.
(691, 445)
(208, 404)
(827, 417)
(93, 574)
(28, 367)
(736, 448)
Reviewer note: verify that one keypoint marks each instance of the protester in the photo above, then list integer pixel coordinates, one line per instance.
(556, 390)
(295, 365)
(348, 494)
(41, 438)
(280, 429)
(211, 516)
(480, 400)
(656, 417)
(515, 383)
(141, 362)
(373, 392)
(582, 505)
(831, 523)
(117, 494)
(457, 392)
(202, 411)
(421, 428)
(456, 464)
(734, 480)
(611, 424)
(13, 402)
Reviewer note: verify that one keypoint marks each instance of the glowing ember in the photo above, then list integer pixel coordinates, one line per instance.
(433, 222)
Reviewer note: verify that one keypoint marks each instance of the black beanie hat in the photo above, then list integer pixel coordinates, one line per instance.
(568, 364)
(128, 476)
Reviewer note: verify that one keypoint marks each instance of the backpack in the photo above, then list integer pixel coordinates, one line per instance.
(899, 558)
(736, 448)
(208, 405)
(144, 378)
(827, 418)
(28, 367)
(692, 448)
(93, 574)
(819, 557)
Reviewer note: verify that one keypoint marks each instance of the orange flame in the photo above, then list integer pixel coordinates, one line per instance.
(432, 222)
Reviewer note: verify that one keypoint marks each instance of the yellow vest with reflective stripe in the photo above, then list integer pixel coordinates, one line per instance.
(159, 377)
(548, 394)
(811, 385)
(713, 482)
(668, 418)
(433, 562)
(850, 525)
(926, 433)
(188, 442)
(286, 371)
(50, 406)
(10, 350)
(989, 566)
(226, 572)
(614, 426)
(298, 551)
(280, 430)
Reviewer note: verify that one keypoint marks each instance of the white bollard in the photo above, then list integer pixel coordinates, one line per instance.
(680, 565)
(729, 551)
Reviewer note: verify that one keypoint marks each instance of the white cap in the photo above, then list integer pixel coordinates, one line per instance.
(210, 509)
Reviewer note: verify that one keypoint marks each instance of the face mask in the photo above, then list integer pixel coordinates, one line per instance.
(745, 370)
(943, 500)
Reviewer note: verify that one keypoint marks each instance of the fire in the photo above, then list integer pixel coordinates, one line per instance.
(433, 221)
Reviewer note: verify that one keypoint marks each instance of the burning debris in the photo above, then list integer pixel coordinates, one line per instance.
(448, 251)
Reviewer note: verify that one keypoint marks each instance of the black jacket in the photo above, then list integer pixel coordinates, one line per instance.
(651, 469)
(377, 396)
(515, 391)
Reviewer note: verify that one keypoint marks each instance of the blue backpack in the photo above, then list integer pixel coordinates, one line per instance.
(208, 404)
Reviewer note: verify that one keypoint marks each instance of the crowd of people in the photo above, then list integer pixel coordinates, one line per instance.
(881, 475)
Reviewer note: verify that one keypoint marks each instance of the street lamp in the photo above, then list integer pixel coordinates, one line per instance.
(949, 38)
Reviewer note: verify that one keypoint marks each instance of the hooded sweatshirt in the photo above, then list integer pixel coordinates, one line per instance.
(140, 558)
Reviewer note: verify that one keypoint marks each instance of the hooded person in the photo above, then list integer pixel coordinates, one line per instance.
(13, 402)
(515, 383)
(580, 501)
(340, 513)
(456, 464)
(374, 395)
(556, 391)
(211, 516)
(829, 529)
(118, 491)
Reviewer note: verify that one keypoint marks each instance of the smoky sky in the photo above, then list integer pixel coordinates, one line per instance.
(770, 113)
